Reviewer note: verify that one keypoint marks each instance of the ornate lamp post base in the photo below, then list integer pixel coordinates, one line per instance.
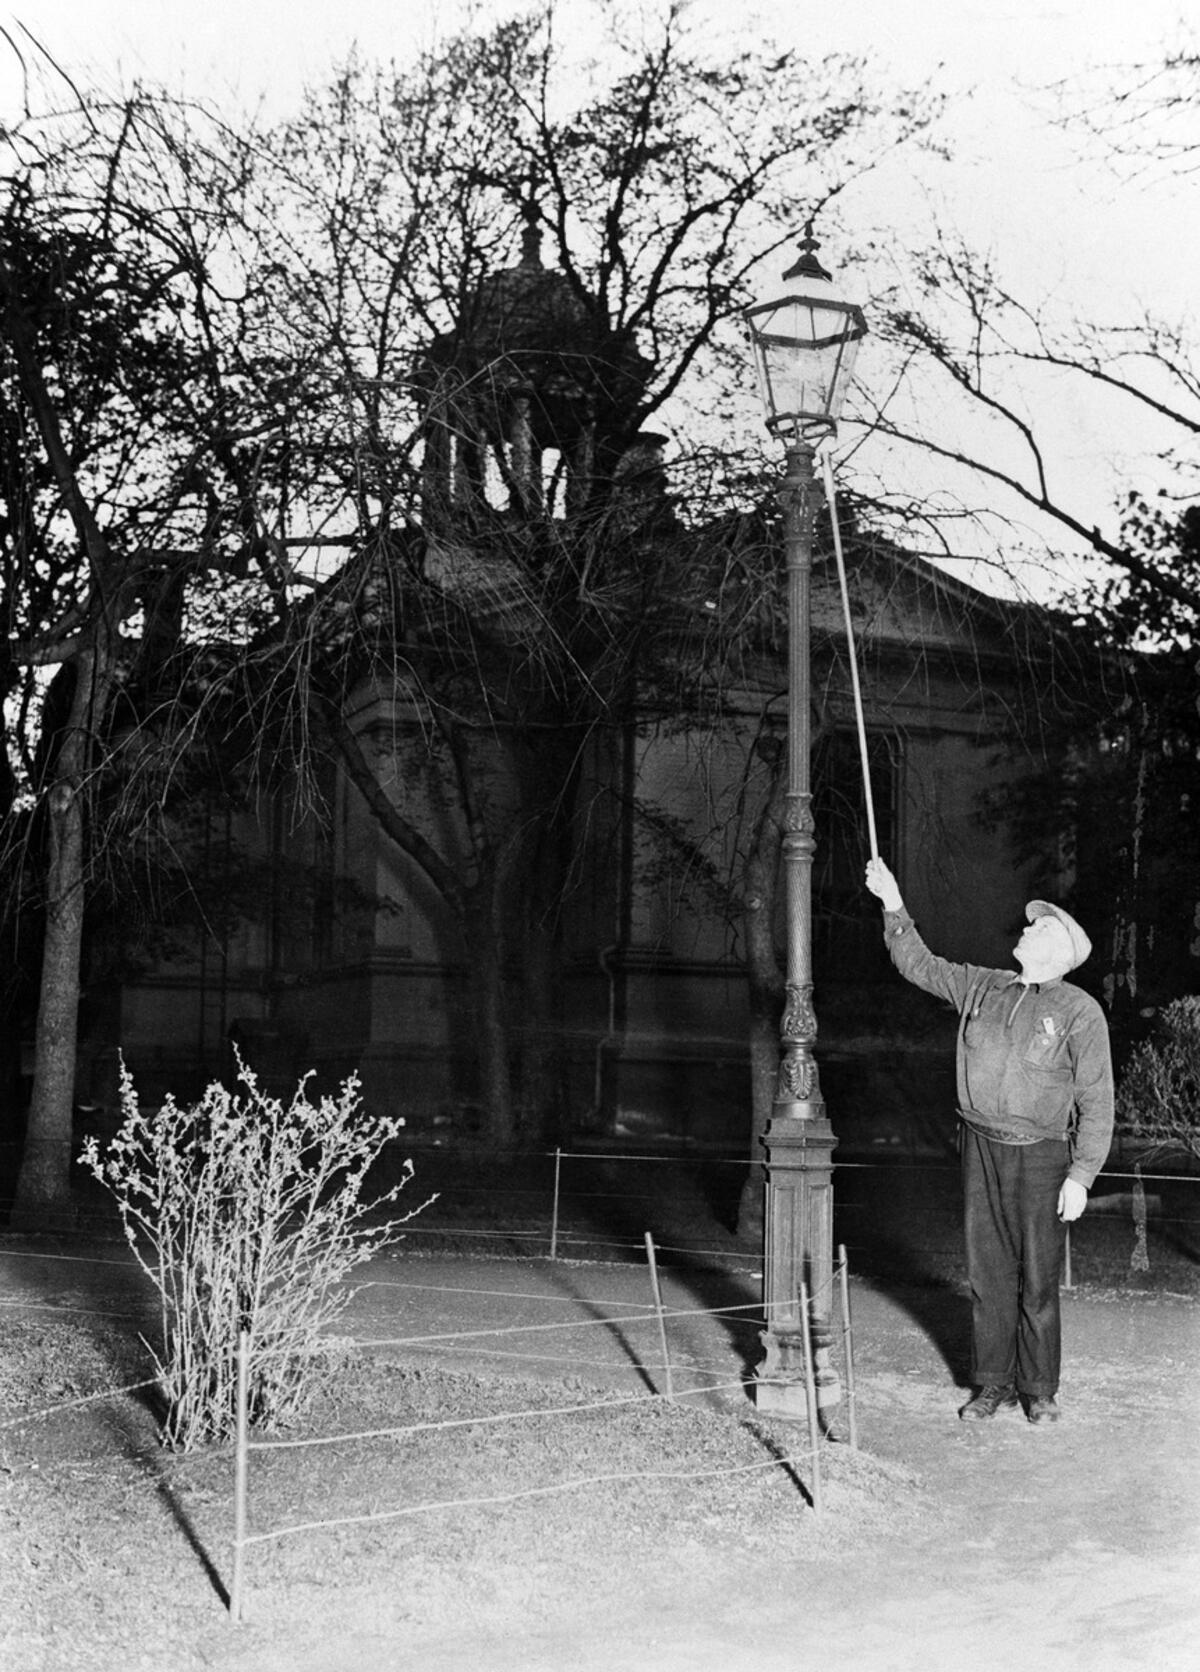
(799, 1249)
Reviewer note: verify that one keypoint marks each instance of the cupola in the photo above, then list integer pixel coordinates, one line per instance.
(516, 393)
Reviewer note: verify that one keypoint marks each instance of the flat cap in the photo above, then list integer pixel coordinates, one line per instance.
(1081, 946)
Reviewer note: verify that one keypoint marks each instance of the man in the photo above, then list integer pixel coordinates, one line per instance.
(1035, 1102)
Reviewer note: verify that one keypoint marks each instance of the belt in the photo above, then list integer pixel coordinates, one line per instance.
(1002, 1134)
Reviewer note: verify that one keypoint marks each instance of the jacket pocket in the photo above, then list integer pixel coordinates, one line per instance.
(1047, 1084)
(1046, 1054)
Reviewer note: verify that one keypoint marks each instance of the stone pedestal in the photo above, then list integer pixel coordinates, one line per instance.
(798, 1248)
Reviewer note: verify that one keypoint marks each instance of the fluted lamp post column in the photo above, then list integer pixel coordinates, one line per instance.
(804, 338)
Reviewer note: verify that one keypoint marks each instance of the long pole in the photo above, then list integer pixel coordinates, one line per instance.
(831, 501)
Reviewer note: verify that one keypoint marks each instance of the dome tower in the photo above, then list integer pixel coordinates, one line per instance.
(519, 393)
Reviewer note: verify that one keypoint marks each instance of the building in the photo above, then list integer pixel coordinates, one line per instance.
(527, 883)
(356, 963)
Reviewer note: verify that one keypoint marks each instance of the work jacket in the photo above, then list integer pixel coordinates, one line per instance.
(1033, 1060)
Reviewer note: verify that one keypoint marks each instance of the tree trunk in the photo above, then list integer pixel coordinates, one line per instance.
(485, 946)
(546, 869)
(480, 919)
(44, 1182)
(541, 1057)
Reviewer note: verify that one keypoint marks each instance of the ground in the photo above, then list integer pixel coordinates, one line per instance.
(940, 1543)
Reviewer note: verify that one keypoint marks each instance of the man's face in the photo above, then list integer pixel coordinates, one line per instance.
(1044, 950)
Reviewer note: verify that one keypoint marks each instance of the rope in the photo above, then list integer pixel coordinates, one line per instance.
(73, 1404)
(695, 1368)
(59, 1310)
(607, 1322)
(782, 1462)
(498, 1294)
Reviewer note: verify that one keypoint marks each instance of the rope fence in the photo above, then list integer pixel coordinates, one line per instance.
(568, 1216)
(673, 1377)
(560, 1205)
(544, 1220)
(613, 1318)
(555, 1215)
(442, 1340)
(819, 1429)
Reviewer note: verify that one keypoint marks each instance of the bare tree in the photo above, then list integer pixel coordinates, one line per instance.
(994, 362)
(982, 374)
(528, 576)
(1144, 114)
(105, 414)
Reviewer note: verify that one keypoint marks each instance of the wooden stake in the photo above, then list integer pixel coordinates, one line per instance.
(241, 1471)
(810, 1395)
(554, 1215)
(658, 1307)
(848, 1345)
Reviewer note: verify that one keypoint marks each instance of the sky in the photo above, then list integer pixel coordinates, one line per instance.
(1064, 226)
(992, 57)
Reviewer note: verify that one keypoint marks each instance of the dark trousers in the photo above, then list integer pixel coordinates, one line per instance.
(1015, 1246)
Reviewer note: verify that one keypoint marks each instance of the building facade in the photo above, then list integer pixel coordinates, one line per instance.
(353, 962)
(531, 861)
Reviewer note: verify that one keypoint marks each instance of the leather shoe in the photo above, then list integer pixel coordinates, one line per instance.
(988, 1401)
(1042, 1408)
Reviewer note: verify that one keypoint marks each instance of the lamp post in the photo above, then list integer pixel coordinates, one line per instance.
(805, 339)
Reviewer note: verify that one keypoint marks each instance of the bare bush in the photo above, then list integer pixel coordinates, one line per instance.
(247, 1214)
(1158, 1097)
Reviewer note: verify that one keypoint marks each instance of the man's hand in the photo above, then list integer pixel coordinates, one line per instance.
(1072, 1199)
(881, 882)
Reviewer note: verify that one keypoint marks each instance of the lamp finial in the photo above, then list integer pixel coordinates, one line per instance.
(808, 267)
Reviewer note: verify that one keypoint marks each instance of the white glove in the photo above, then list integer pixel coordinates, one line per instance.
(1072, 1199)
(881, 882)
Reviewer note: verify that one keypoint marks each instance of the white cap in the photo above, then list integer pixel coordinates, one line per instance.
(1081, 946)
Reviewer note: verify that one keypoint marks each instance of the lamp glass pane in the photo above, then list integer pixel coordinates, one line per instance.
(804, 353)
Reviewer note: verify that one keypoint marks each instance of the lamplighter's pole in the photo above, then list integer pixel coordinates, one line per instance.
(799, 1139)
